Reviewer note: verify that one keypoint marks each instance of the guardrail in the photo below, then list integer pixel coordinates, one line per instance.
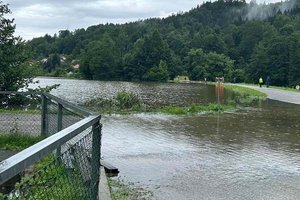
(66, 164)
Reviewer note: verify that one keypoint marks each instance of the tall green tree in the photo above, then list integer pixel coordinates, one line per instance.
(13, 74)
(158, 73)
(52, 62)
(294, 68)
(100, 60)
(147, 53)
(203, 65)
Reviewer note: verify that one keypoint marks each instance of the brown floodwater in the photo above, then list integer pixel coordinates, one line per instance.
(250, 154)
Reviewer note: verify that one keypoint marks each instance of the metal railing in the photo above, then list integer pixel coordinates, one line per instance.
(64, 165)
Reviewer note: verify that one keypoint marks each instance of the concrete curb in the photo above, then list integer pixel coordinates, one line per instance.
(103, 190)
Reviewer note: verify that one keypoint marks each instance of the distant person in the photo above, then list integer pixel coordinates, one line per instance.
(234, 80)
(268, 81)
(205, 81)
(260, 81)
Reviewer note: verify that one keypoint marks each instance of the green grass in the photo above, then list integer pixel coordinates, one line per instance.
(19, 111)
(246, 91)
(244, 96)
(51, 180)
(275, 87)
(17, 142)
(285, 88)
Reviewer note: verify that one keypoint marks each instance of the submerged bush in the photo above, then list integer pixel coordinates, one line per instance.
(122, 101)
(127, 100)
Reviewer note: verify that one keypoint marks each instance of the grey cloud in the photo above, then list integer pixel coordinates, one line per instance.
(38, 17)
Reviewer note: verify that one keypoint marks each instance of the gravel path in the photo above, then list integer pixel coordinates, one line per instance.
(277, 94)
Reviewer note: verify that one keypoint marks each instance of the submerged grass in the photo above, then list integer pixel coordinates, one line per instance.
(128, 103)
(17, 141)
(122, 191)
(196, 109)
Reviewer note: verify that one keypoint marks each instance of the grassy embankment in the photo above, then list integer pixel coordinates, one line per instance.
(128, 103)
(285, 88)
(275, 87)
(245, 96)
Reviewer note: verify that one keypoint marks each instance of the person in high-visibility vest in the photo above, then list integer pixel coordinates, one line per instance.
(260, 81)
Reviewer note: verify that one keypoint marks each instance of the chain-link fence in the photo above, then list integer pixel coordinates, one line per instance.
(20, 113)
(66, 164)
(58, 117)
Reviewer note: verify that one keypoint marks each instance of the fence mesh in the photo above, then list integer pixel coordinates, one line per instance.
(66, 173)
(67, 176)
(68, 117)
(20, 114)
(52, 120)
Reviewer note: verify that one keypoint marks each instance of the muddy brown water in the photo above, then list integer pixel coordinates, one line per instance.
(250, 154)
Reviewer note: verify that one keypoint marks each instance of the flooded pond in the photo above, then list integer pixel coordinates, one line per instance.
(250, 154)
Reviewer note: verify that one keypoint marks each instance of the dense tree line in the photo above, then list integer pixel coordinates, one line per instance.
(223, 38)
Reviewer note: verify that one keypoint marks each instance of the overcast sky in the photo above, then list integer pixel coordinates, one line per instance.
(37, 17)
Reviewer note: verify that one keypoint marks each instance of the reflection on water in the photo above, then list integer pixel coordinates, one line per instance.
(79, 91)
(251, 154)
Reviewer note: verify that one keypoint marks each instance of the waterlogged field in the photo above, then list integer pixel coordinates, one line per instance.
(253, 153)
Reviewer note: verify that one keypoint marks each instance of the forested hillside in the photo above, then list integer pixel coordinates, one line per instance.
(224, 38)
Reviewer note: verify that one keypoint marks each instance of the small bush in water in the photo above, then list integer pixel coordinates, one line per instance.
(121, 101)
(127, 100)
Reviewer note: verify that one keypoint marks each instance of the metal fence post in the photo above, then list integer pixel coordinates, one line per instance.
(44, 118)
(59, 126)
(96, 153)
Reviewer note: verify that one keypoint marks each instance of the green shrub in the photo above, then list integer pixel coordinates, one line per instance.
(121, 102)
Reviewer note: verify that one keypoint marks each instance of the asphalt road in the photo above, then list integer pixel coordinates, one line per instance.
(277, 94)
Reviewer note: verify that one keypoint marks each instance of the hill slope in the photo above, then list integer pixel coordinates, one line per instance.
(225, 38)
